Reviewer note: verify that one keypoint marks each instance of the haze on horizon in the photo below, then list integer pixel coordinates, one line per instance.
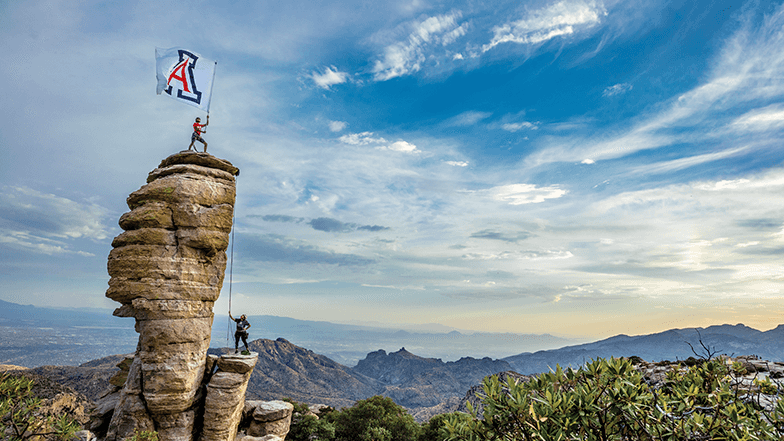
(572, 167)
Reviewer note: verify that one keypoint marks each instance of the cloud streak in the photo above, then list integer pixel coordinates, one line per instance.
(560, 19)
(408, 56)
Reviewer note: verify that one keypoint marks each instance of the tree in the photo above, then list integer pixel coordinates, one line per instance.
(22, 415)
(374, 419)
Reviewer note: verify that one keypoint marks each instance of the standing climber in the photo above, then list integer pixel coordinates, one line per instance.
(198, 129)
(241, 332)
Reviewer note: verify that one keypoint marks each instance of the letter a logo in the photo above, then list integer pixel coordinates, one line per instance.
(180, 77)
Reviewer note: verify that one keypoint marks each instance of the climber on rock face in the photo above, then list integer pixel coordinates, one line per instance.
(241, 332)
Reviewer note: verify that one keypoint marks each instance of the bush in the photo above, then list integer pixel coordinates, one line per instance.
(22, 416)
(374, 419)
(306, 427)
(435, 429)
(609, 400)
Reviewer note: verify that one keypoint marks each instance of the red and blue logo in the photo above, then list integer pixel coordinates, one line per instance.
(181, 78)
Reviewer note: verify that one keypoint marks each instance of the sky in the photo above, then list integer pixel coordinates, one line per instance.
(574, 167)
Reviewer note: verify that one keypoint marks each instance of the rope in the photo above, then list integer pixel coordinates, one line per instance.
(231, 269)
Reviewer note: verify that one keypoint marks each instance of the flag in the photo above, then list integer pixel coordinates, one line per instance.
(185, 76)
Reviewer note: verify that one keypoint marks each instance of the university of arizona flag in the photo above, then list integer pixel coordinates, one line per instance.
(185, 76)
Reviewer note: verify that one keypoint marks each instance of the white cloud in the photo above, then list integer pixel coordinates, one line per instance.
(329, 78)
(457, 163)
(403, 146)
(468, 118)
(363, 138)
(561, 18)
(689, 161)
(514, 127)
(37, 244)
(766, 118)
(337, 126)
(405, 57)
(519, 194)
(26, 209)
(617, 89)
(588, 161)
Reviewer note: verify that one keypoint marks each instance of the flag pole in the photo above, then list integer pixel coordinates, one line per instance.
(212, 85)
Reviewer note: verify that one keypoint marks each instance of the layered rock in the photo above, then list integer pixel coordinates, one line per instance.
(167, 270)
(225, 400)
(269, 418)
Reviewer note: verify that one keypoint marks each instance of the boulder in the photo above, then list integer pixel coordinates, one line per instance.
(270, 418)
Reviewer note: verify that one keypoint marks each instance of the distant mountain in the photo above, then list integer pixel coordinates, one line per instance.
(35, 336)
(287, 370)
(15, 315)
(672, 344)
(347, 344)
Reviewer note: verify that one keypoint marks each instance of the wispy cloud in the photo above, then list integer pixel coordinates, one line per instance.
(558, 19)
(519, 194)
(514, 127)
(336, 226)
(276, 248)
(363, 138)
(617, 89)
(746, 71)
(468, 118)
(281, 218)
(766, 118)
(330, 77)
(25, 209)
(502, 236)
(689, 161)
(407, 56)
(337, 126)
(457, 163)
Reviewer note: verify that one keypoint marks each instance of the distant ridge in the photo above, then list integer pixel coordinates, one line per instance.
(671, 344)
(287, 370)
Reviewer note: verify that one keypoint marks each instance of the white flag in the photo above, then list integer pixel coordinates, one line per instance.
(185, 76)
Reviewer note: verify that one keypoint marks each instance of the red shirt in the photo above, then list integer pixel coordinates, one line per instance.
(197, 128)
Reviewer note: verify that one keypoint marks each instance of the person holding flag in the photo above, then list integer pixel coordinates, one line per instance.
(186, 77)
(198, 129)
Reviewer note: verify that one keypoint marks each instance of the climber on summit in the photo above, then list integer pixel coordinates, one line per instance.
(241, 332)
(198, 129)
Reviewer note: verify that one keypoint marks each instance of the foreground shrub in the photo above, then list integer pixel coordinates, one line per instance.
(308, 427)
(22, 415)
(609, 400)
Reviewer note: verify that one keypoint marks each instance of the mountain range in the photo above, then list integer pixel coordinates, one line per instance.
(33, 336)
(429, 386)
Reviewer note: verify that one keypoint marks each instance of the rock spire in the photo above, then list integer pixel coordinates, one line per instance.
(167, 271)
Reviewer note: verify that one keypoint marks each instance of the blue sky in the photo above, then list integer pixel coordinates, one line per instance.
(581, 168)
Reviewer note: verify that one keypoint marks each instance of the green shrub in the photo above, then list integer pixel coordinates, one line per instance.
(21, 414)
(144, 435)
(374, 419)
(306, 427)
(609, 400)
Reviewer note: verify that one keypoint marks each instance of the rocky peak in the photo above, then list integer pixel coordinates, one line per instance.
(167, 270)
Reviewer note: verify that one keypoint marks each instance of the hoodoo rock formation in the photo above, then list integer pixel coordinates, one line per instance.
(167, 271)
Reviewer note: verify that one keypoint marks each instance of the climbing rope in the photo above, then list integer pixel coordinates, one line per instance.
(231, 269)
